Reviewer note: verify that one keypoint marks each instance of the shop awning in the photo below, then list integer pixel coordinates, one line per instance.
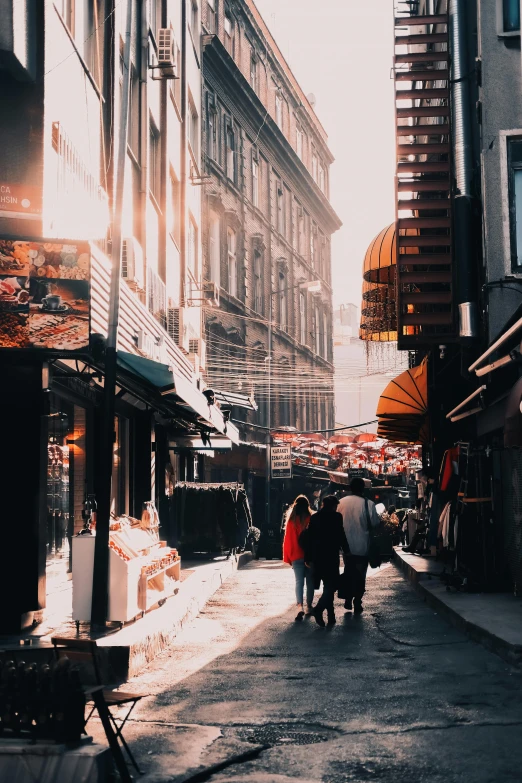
(175, 387)
(403, 407)
(235, 400)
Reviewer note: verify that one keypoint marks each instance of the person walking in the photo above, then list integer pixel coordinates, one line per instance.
(297, 520)
(359, 515)
(324, 540)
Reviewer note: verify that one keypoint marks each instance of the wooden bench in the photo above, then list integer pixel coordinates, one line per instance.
(85, 654)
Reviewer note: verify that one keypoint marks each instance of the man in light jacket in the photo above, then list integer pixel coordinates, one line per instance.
(358, 513)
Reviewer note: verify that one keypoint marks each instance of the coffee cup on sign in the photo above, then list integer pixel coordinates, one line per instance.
(52, 302)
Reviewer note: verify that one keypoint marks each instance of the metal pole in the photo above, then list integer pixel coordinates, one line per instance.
(269, 420)
(100, 582)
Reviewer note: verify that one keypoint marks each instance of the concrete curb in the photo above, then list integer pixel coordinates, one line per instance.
(130, 650)
(451, 606)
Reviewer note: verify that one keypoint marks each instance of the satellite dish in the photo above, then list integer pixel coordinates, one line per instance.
(312, 100)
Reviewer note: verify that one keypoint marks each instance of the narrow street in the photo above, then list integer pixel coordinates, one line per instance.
(393, 695)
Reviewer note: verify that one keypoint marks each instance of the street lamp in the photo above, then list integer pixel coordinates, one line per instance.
(313, 287)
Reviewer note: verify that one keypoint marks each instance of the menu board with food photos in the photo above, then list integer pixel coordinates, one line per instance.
(44, 294)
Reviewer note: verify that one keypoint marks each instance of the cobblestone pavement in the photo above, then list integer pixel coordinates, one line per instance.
(395, 695)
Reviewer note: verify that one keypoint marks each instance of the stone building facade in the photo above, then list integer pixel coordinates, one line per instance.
(267, 224)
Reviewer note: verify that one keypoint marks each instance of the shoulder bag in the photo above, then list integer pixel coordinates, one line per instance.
(374, 550)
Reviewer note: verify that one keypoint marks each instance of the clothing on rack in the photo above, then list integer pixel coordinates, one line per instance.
(449, 468)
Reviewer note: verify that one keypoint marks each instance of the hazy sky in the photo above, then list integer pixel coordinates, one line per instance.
(341, 51)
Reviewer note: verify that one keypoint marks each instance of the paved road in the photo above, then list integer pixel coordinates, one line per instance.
(395, 696)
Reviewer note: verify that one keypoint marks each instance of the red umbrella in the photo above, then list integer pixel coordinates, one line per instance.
(365, 437)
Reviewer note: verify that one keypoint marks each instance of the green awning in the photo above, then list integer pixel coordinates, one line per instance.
(173, 385)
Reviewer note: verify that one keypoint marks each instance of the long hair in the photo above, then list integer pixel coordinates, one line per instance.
(299, 512)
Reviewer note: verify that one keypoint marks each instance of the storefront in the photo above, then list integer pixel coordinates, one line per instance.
(52, 324)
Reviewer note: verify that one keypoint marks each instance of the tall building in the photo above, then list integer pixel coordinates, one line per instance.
(267, 224)
(64, 69)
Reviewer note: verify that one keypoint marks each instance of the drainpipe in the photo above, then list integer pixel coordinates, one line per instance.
(464, 247)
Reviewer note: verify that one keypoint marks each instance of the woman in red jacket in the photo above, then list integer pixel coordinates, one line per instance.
(298, 520)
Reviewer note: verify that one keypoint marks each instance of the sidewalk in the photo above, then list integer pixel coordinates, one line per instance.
(492, 619)
(126, 651)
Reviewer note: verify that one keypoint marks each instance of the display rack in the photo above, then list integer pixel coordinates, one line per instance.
(143, 571)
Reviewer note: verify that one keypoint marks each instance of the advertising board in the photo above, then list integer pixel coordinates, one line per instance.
(281, 462)
(44, 294)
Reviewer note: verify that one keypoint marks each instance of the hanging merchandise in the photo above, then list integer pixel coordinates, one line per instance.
(212, 517)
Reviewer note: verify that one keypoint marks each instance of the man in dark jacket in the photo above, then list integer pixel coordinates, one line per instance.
(324, 541)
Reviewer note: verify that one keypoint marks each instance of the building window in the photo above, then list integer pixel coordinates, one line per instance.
(258, 282)
(302, 318)
(154, 162)
(314, 167)
(508, 17)
(280, 198)
(325, 335)
(133, 138)
(214, 249)
(211, 126)
(300, 230)
(317, 330)
(230, 152)
(232, 261)
(283, 301)
(254, 72)
(154, 16)
(255, 181)
(193, 128)
(192, 256)
(194, 20)
(299, 143)
(279, 110)
(211, 16)
(229, 32)
(313, 238)
(176, 208)
(322, 178)
(515, 200)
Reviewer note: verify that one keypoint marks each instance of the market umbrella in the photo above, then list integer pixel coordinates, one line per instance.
(365, 437)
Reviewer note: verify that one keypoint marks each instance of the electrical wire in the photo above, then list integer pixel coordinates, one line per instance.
(307, 432)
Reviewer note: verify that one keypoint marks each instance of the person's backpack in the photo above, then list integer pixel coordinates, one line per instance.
(374, 550)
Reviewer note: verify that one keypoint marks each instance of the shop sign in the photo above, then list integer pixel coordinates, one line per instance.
(44, 294)
(20, 201)
(281, 462)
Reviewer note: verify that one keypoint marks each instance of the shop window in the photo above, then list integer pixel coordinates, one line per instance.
(120, 467)
(515, 200)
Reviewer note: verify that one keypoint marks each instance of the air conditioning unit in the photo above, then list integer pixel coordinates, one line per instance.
(211, 294)
(132, 264)
(167, 52)
(198, 347)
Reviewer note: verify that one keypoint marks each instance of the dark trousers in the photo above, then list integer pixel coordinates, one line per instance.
(356, 567)
(327, 598)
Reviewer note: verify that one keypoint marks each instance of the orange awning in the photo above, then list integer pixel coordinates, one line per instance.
(403, 407)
